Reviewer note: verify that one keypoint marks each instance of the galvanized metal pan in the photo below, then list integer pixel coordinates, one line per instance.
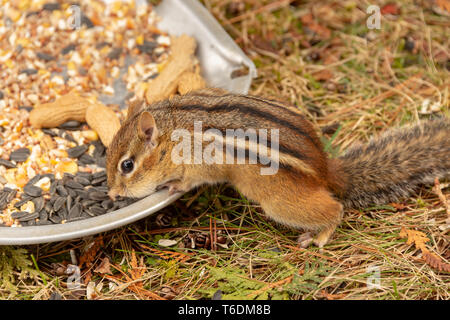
(219, 56)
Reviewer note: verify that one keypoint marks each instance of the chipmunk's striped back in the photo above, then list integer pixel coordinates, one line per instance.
(299, 146)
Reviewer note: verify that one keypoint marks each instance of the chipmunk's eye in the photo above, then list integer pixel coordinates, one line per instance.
(127, 165)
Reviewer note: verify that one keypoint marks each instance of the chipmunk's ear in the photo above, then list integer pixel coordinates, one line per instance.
(147, 128)
(134, 106)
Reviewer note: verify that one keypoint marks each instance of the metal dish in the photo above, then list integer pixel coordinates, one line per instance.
(219, 56)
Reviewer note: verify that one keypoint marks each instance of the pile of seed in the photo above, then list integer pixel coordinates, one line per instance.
(72, 198)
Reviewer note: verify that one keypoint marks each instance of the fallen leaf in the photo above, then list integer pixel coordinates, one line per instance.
(390, 8)
(104, 267)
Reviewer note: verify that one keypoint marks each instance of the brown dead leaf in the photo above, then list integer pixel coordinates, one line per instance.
(323, 75)
(390, 8)
(89, 255)
(419, 239)
(104, 267)
(309, 22)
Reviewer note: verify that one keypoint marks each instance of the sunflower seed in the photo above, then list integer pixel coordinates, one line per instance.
(19, 155)
(75, 211)
(29, 216)
(55, 219)
(97, 195)
(98, 181)
(77, 151)
(82, 194)
(82, 181)
(73, 184)
(99, 174)
(48, 207)
(86, 203)
(33, 180)
(72, 193)
(32, 191)
(62, 191)
(45, 56)
(101, 162)
(59, 203)
(7, 164)
(18, 214)
(102, 189)
(50, 132)
(96, 210)
(107, 204)
(53, 188)
(43, 215)
(86, 159)
(39, 203)
(43, 222)
(24, 200)
(85, 175)
(68, 48)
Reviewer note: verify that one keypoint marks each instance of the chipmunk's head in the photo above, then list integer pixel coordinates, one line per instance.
(138, 160)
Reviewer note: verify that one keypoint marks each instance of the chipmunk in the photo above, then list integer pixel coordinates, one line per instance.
(308, 191)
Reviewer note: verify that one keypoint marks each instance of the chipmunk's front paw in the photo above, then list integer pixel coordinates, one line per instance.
(174, 186)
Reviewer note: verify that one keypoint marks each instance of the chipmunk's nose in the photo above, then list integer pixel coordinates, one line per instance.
(113, 194)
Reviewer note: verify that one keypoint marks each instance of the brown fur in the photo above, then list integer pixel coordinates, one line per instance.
(309, 190)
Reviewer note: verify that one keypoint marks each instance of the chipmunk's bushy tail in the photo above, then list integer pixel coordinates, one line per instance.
(392, 167)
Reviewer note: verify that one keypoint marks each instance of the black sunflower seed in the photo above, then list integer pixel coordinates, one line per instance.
(102, 189)
(147, 46)
(30, 223)
(114, 54)
(98, 181)
(55, 219)
(43, 222)
(72, 193)
(20, 155)
(51, 6)
(85, 175)
(70, 125)
(86, 159)
(73, 184)
(87, 202)
(28, 216)
(83, 194)
(62, 191)
(59, 203)
(39, 204)
(43, 215)
(11, 194)
(99, 174)
(82, 181)
(18, 214)
(69, 137)
(101, 162)
(27, 108)
(32, 191)
(62, 213)
(68, 48)
(50, 132)
(45, 56)
(28, 71)
(7, 164)
(75, 211)
(77, 151)
(107, 204)
(33, 180)
(53, 188)
(48, 207)
(97, 210)
(86, 21)
(97, 195)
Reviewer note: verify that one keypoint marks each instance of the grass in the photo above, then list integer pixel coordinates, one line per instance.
(340, 74)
